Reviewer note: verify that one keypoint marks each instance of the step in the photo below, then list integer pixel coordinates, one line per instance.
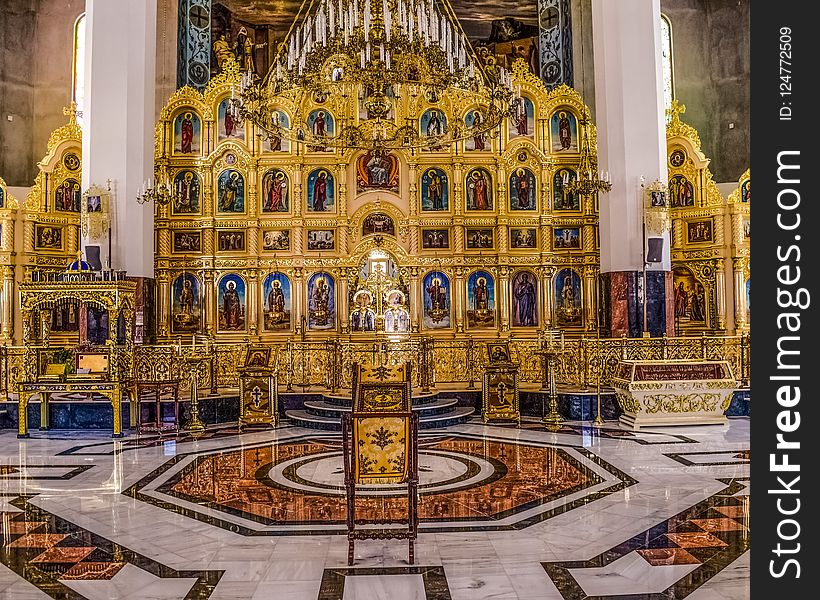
(328, 409)
(302, 418)
(346, 398)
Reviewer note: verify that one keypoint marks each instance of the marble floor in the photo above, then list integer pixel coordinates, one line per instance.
(506, 512)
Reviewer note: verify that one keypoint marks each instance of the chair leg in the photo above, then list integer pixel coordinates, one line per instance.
(350, 552)
(412, 553)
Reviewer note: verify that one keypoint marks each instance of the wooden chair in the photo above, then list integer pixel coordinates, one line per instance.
(380, 441)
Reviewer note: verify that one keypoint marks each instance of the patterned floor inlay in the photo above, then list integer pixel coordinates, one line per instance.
(691, 547)
(42, 472)
(296, 486)
(63, 559)
(396, 583)
(645, 438)
(711, 458)
(150, 441)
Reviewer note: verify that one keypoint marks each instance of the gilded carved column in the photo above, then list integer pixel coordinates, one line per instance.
(502, 245)
(738, 266)
(209, 303)
(297, 232)
(8, 303)
(344, 305)
(416, 301)
(503, 296)
(588, 293)
(298, 299)
(113, 322)
(720, 293)
(253, 302)
(502, 202)
(459, 294)
(163, 302)
(547, 275)
(45, 325)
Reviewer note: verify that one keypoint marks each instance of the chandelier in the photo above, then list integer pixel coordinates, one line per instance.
(590, 180)
(379, 52)
(159, 193)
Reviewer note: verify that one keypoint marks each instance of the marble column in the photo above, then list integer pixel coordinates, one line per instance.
(631, 146)
(118, 123)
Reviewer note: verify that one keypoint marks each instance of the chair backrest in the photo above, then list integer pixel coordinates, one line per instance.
(381, 426)
(381, 388)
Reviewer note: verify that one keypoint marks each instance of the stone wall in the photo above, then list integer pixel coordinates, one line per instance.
(712, 69)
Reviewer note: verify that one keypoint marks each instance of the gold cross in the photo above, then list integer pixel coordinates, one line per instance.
(71, 112)
(676, 110)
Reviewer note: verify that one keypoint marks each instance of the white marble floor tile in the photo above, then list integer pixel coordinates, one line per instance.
(132, 583)
(630, 574)
(384, 587)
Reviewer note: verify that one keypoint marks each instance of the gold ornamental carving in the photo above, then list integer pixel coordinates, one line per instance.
(681, 403)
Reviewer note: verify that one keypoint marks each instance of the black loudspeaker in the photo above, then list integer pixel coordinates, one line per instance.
(92, 256)
(655, 251)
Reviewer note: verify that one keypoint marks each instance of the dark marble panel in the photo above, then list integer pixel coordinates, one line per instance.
(573, 407)
(741, 404)
(657, 303)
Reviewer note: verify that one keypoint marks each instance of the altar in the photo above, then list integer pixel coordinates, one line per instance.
(673, 392)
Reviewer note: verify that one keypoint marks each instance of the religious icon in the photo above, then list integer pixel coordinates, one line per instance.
(698, 231)
(479, 238)
(231, 191)
(320, 191)
(377, 170)
(523, 122)
(378, 223)
(434, 190)
(230, 241)
(435, 239)
(479, 190)
(71, 161)
(746, 191)
(321, 302)
(522, 189)
(396, 317)
(681, 192)
(362, 317)
(47, 237)
(321, 124)
(474, 120)
(257, 357)
(480, 300)
(321, 239)
(222, 50)
(564, 132)
(564, 200)
(276, 141)
(277, 302)
(231, 303)
(64, 317)
(244, 51)
(436, 288)
(186, 193)
(524, 296)
(186, 241)
(498, 352)
(187, 133)
(186, 308)
(229, 126)
(747, 230)
(523, 238)
(568, 297)
(677, 158)
(93, 203)
(276, 239)
(433, 124)
(657, 198)
(275, 191)
(67, 196)
(566, 237)
(690, 298)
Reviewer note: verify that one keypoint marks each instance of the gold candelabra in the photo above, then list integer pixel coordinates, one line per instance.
(160, 194)
(590, 180)
(380, 51)
(194, 360)
(552, 349)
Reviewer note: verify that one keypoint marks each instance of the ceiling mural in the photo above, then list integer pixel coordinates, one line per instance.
(250, 30)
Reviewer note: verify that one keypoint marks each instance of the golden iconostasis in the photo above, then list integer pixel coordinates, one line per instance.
(269, 238)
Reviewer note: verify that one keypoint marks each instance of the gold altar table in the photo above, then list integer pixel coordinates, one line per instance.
(110, 389)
